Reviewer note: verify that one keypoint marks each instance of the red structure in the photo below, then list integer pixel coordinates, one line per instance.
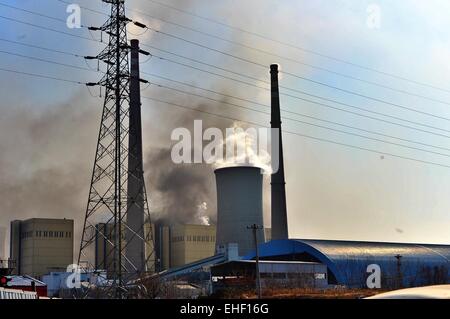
(27, 283)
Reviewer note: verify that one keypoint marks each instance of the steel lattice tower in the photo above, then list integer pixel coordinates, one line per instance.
(114, 189)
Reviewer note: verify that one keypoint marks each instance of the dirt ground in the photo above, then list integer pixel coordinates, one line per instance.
(338, 293)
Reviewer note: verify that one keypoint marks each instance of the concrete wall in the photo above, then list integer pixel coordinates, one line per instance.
(150, 255)
(165, 247)
(239, 205)
(190, 243)
(14, 251)
(42, 245)
(267, 234)
(3, 243)
(104, 252)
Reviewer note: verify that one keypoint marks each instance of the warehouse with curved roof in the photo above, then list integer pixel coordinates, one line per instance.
(401, 265)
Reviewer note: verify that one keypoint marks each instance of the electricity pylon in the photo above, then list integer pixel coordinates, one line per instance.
(117, 184)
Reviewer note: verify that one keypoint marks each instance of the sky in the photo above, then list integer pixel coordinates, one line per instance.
(48, 128)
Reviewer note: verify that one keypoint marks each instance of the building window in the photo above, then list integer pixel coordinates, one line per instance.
(27, 234)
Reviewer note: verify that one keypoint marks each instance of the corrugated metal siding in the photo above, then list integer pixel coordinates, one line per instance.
(348, 260)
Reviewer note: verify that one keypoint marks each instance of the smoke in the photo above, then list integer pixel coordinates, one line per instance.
(182, 193)
(42, 172)
(179, 189)
(48, 133)
(244, 147)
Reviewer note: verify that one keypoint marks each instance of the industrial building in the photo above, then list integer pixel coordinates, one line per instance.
(323, 264)
(401, 265)
(104, 239)
(286, 274)
(39, 245)
(2, 243)
(179, 245)
(104, 252)
(56, 282)
(296, 262)
(267, 234)
(190, 243)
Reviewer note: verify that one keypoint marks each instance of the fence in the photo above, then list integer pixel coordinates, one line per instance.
(17, 294)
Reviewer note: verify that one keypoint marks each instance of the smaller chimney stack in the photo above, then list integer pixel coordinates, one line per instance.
(278, 183)
(135, 251)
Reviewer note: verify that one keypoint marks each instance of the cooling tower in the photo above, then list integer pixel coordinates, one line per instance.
(239, 205)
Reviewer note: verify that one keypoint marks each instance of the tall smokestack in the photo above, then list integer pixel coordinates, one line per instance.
(278, 184)
(135, 251)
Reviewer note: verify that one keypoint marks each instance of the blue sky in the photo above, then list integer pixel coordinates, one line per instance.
(333, 191)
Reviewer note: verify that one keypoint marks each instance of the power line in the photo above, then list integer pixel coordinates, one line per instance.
(236, 119)
(300, 48)
(290, 89)
(296, 97)
(323, 104)
(243, 107)
(48, 29)
(275, 55)
(41, 48)
(46, 61)
(303, 122)
(86, 8)
(294, 75)
(291, 112)
(32, 12)
(308, 79)
(302, 135)
(287, 58)
(201, 96)
(204, 89)
(268, 83)
(41, 76)
(292, 96)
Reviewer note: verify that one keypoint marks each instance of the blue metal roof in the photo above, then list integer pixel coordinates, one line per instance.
(347, 261)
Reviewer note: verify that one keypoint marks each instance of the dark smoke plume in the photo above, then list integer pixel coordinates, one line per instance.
(177, 190)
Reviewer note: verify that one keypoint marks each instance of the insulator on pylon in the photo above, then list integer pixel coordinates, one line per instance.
(140, 25)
